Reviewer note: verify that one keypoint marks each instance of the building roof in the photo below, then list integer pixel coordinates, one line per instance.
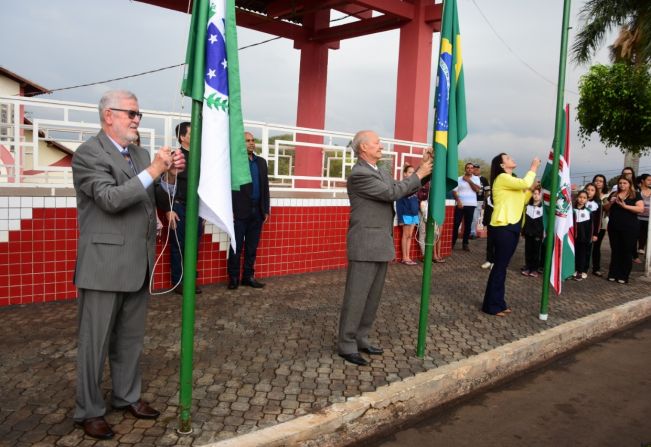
(29, 88)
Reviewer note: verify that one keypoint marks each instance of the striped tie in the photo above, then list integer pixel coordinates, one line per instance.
(127, 157)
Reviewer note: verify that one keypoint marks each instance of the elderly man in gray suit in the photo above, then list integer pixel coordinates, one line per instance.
(371, 192)
(116, 211)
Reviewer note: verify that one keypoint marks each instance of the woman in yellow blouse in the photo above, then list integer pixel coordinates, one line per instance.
(510, 195)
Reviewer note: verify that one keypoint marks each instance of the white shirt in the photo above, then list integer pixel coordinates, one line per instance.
(465, 193)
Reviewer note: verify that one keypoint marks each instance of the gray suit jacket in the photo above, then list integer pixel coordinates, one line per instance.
(372, 193)
(116, 216)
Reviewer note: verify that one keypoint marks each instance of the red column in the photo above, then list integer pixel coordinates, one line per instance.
(414, 76)
(312, 83)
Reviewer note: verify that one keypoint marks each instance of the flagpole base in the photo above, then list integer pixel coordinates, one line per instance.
(542, 317)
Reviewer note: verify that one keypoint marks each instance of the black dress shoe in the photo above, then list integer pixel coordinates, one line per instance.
(96, 428)
(232, 284)
(354, 358)
(251, 282)
(372, 350)
(141, 410)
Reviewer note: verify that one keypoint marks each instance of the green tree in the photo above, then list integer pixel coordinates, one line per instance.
(632, 17)
(615, 102)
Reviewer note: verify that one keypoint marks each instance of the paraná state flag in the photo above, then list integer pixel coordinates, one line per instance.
(450, 115)
(212, 77)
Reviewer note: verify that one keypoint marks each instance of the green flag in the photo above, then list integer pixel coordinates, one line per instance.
(450, 113)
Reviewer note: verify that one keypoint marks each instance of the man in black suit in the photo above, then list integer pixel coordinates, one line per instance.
(175, 211)
(250, 211)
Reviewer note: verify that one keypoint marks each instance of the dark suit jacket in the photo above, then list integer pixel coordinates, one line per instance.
(116, 216)
(371, 193)
(242, 198)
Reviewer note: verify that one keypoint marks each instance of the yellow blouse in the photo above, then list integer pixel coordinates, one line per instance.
(510, 195)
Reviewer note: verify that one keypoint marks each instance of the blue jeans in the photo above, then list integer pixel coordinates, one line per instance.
(247, 236)
(176, 252)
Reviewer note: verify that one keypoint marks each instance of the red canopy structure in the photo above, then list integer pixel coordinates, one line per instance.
(308, 24)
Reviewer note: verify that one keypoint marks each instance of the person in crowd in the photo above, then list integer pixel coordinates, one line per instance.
(250, 212)
(481, 196)
(114, 182)
(583, 233)
(509, 194)
(623, 207)
(465, 196)
(171, 199)
(423, 197)
(371, 192)
(601, 197)
(595, 208)
(407, 212)
(533, 231)
(645, 192)
(486, 220)
(629, 173)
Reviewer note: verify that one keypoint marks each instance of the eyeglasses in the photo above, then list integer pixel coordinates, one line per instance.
(131, 113)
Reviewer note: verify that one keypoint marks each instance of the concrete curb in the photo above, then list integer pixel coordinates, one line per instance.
(363, 416)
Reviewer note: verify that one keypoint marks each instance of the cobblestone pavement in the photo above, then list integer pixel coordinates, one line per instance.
(266, 356)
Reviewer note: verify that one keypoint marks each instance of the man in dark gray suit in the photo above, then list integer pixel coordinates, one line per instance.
(116, 212)
(371, 192)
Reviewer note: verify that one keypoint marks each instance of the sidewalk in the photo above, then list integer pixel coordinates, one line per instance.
(264, 357)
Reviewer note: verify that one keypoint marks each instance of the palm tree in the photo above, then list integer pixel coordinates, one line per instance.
(633, 43)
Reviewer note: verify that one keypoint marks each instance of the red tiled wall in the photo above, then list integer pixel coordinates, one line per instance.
(37, 262)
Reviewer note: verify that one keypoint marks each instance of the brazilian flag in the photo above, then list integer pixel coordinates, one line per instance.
(450, 113)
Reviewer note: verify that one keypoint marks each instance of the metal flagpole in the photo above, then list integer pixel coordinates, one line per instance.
(551, 234)
(190, 270)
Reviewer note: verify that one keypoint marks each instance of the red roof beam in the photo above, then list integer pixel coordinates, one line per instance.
(433, 15)
(293, 8)
(268, 25)
(396, 8)
(359, 12)
(358, 28)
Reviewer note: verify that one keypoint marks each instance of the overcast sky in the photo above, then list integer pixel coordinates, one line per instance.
(60, 43)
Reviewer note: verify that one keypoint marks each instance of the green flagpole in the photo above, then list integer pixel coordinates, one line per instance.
(190, 271)
(427, 281)
(553, 190)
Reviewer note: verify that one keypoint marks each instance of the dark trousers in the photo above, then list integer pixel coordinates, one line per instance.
(532, 253)
(177, 249)
(505, 239)
(464, 214)
(622, 244)
(596, 251)
(582, 255)
(247, 236)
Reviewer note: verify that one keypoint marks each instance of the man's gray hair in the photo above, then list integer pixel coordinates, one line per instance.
(111, 99)
(359, 138)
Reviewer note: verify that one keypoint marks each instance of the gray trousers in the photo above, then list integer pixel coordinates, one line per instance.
(109, 323)
(364, 284)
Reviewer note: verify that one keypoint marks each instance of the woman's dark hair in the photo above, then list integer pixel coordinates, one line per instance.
(604, 189)
(405, 168)
(628, 168)
(496, 167)
(539, 189)
(642, 179)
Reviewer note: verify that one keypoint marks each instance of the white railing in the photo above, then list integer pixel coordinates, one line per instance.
(28, 125)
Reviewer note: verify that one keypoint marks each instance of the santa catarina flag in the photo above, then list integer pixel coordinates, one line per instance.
(212, 77)
(450, 114)
(562, 266)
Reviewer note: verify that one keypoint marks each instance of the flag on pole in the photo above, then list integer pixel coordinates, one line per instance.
(562, 265)
(212, 77)
(450, 114)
